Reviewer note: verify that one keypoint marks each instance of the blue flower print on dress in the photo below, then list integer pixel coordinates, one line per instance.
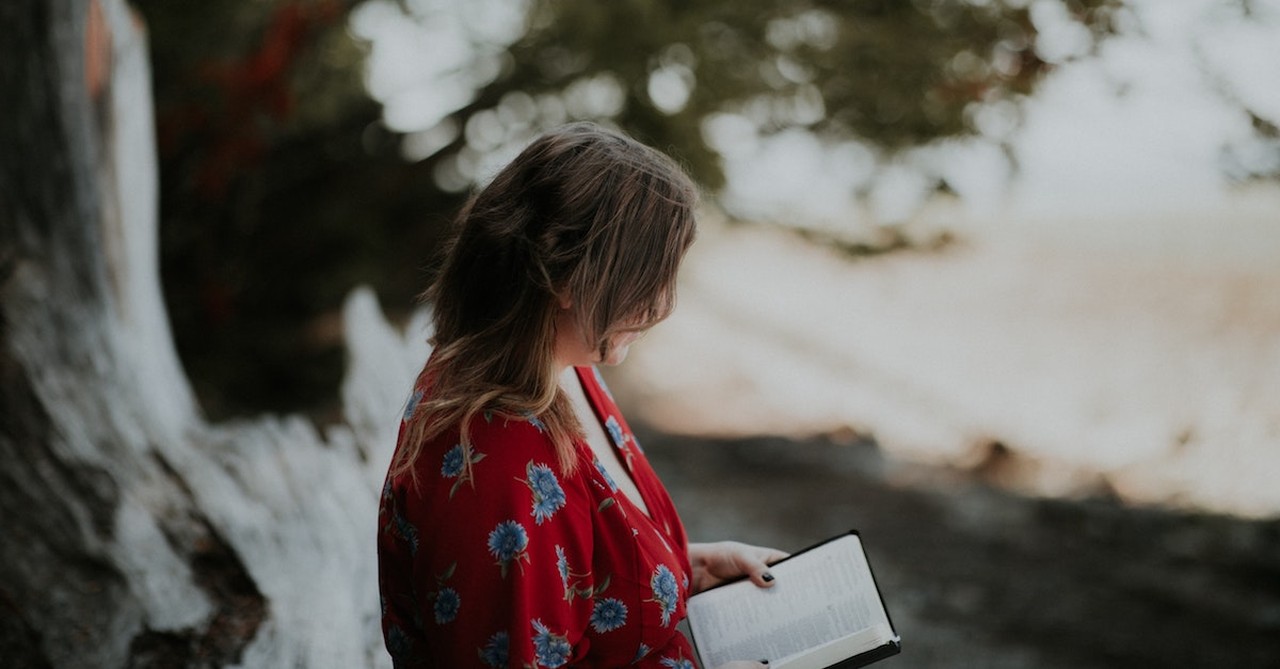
(508, 543)
(550, 650)
(398, 644)
(608, 615)
(447, 601)
(412, 405)
(496, 652)
(620, 439)
(447, 605)
(548, 496)
(401, 528)
(562, 564)
(677, 663)
(615, 432)
(573, 581)
(397, 525)
(386, 493)
(613, 487)
(454, 465)
(536, 422)
(665, 592)
(454, 460)
(595, 371)
(641, 652)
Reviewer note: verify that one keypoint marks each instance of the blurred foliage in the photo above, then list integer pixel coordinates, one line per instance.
(893, 73)
(281, 189)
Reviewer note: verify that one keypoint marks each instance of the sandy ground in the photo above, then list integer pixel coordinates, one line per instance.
(1061, 364)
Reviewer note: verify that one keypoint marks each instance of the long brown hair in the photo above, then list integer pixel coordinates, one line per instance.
(584, 214)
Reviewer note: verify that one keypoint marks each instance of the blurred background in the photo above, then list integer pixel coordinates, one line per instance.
(969, 228)
(996, 280)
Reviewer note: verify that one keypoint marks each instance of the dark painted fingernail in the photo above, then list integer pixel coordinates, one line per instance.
(767, 578)
(764, 662)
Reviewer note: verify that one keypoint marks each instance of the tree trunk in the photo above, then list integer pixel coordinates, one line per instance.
(133, 533)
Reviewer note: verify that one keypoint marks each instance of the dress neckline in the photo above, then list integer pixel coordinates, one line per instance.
(595, 395)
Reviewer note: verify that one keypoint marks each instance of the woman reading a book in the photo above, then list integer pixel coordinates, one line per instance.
(520, 524)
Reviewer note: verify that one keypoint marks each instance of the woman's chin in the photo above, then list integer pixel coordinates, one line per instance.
(617, 355)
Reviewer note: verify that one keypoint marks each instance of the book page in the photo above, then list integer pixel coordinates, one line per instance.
(820, 597)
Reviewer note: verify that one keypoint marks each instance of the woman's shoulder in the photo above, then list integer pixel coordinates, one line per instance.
(507, 434)
(505, 443)
(504, 461)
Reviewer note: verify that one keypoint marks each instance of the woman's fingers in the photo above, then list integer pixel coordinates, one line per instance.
(717, 562)
(757, 561)
(757, 570)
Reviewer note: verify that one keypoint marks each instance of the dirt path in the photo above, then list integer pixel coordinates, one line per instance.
(976, 577)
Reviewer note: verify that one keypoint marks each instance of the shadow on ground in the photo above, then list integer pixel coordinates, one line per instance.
(978, 577)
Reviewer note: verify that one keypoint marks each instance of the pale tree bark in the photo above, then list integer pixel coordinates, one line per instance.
(132, 532)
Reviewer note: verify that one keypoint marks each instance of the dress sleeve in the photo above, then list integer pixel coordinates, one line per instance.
(506, 581)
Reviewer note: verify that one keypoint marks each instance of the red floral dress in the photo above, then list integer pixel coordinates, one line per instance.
(510, 563)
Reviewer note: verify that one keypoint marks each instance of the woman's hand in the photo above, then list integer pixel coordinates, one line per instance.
(716, 563)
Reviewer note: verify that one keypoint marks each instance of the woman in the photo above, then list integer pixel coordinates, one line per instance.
(521, 524)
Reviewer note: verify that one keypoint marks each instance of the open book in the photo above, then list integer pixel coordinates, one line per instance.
(823, 611)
